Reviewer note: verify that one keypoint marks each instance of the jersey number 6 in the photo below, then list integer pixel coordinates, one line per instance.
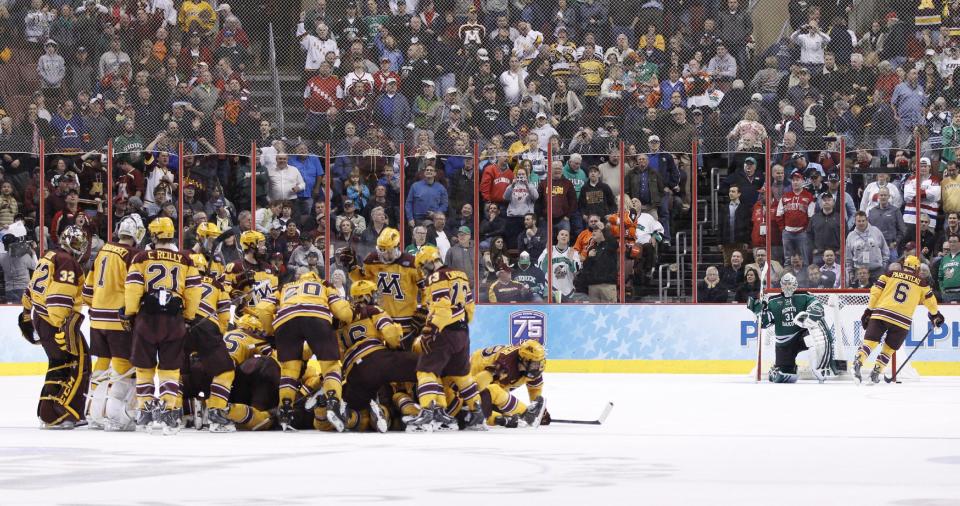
(900, 294)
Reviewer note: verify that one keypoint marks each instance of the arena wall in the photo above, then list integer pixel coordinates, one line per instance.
(655, 338)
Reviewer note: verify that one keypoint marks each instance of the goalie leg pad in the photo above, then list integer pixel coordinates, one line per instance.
(99, 385)
(121, 404)
(819, 352)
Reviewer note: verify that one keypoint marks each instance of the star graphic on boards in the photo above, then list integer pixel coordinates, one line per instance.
(624, 349)
(623, 312)
(599, 321)
(635, 326)
(590, 345)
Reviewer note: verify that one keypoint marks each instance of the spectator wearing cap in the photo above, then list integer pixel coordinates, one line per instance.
(427, 108)
(929, 197)
(908, 102)
(596, 197)
(506, 290)
(849, 207)
(747, 179)
(531, 276)
(426, 196)
(393, 111)
(351, 214)
(826, 227)
(544, 131)
(460, 256)
(794, 211)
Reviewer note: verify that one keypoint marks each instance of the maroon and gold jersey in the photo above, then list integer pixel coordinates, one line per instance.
(214, 303)
(163, 269)
(448, 298)
(259, 282)
(398, 283)
(103, 289)
(55, 289)
(371, 330)
(501, 365)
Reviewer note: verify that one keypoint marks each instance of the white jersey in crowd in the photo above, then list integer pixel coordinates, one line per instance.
(316, 49)
(929, 200)
(871, 198)
(646, 226)
(565, 265)
(527, 47)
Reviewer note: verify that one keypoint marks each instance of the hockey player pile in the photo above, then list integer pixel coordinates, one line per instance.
(797, 319)
(162, 318)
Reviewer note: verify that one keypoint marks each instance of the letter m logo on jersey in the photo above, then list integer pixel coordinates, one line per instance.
(389, 284)
(528, 324)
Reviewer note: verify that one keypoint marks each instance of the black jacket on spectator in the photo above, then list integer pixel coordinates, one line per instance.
(742, 223)
(825, 230)
(746, 290)
(597, 199)
(716, 294)
(533, 245)
(749, 187)
(490, 229)
(731, 278)
(602, 267)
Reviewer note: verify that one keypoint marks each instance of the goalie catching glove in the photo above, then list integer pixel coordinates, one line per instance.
(936, 319)
(26, 327)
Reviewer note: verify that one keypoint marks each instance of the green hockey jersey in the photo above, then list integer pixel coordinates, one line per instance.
(781, 311)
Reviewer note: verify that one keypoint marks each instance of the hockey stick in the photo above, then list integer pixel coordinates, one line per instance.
(603, 416)
(763, 308)
(904, 364)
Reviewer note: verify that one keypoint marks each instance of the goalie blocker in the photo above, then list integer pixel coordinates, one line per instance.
(798, 322)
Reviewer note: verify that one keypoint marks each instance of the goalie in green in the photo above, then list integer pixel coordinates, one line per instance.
(797, 319)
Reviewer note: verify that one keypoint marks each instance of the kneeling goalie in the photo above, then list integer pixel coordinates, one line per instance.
(797, 318)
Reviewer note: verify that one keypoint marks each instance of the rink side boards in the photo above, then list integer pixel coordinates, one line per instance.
(654, 339)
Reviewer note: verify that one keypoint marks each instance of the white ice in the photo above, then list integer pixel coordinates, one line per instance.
(686, 440)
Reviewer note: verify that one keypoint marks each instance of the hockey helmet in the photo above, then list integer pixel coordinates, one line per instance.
(132, 226)
(305, 274)
(426, 257)
(252, 239)
(200, 262)
(388, 244)
(911, 263)
(162, 228)
(788, 284)
(251, 324)
(73, 240)
(361, 289)
(208, 229)
(532, 356)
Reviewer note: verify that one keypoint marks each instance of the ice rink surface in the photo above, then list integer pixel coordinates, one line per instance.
(690, 440)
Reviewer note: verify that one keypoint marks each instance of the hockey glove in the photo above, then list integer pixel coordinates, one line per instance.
(126, 320)
(347, 258)
(546, 417)
(936, 319)
(26, 327)
(865, 319)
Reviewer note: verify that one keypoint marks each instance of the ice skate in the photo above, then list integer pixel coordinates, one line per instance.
(442, 422)
(170, 421)
(285, 416)
(423, 422)
(336, 411)
(475, 421)
(534, 412)
(64, 425)
(875, 375)
(145, 418)
(219, 421)
(857, 378)
(510, 422)
(377, 417)
(315, 399)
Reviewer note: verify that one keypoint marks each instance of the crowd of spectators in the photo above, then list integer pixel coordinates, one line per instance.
(521, 138)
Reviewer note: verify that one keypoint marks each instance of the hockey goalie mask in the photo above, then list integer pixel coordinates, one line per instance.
(73, 240)
(132, 226)
(788, 284)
